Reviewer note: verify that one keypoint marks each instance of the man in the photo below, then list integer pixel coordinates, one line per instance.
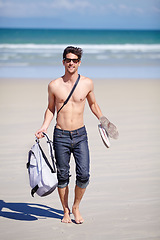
(70, 134)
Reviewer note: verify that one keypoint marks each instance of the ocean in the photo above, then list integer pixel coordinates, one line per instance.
(37, 53)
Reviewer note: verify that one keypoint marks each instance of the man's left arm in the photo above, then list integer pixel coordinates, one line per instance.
(92, 101)
(93, 104)
(110, 127)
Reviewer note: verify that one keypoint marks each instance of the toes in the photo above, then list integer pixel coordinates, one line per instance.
(66, 221)
(69, 221)
(79, 221)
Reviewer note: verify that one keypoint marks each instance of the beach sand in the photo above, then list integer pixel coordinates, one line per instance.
(122, 201)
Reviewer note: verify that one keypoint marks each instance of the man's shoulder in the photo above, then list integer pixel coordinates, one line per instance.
(55, 82)
(54, 85)
(86, 79)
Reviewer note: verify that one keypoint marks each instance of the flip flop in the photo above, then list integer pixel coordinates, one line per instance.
(104, 135)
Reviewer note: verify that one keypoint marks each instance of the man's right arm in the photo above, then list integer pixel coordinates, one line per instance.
(49, 113)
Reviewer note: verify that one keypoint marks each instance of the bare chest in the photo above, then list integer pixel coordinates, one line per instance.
(78, 96)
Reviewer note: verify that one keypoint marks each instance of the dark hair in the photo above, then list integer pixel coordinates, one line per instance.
(74, 50)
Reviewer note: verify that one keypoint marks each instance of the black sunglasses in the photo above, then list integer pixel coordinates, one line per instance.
(68, 60)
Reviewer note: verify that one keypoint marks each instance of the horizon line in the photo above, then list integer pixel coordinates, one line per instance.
(100, 29)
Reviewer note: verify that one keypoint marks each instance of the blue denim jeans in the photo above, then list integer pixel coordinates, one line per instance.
(65, 143)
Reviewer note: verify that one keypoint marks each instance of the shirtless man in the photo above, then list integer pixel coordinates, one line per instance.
(70, 134)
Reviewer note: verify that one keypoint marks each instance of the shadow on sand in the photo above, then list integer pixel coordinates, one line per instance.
(28, 211)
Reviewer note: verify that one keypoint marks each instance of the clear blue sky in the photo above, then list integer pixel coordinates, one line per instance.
(107, 14)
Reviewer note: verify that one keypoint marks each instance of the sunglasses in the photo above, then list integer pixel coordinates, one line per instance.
(68, 60)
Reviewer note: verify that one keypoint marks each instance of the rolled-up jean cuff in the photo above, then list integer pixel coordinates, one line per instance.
(63, 185)
(82, 184)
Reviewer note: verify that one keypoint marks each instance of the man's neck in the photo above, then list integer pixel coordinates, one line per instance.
(68, 77)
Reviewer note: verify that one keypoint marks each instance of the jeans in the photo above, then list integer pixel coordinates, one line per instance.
(65, 143)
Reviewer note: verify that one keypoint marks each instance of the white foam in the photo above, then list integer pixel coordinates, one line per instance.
(88, 48)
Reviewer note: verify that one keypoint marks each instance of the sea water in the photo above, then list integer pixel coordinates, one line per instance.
(37, 53)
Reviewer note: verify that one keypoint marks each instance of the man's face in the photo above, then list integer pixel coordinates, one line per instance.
(71, 66)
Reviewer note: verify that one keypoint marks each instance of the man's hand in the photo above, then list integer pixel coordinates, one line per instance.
(39, 133)
(109, 127)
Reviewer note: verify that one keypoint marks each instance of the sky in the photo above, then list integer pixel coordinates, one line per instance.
(80, 14)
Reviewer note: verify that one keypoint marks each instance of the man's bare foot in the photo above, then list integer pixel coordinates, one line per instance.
(66, 217)
(77, 216)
